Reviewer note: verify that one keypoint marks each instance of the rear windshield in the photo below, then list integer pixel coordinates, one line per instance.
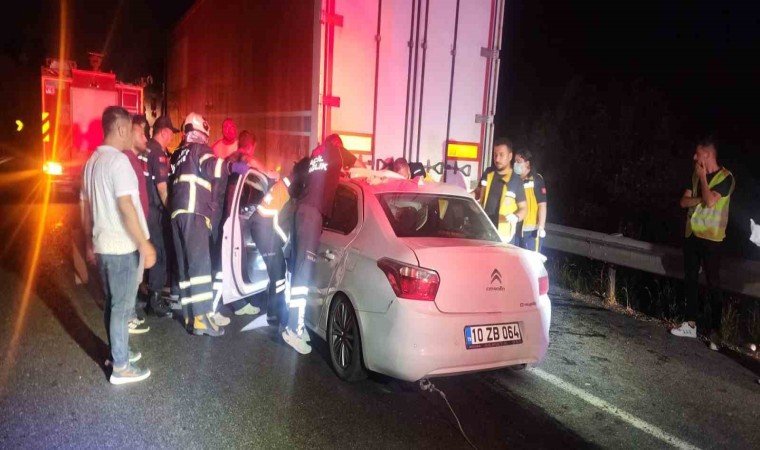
(440, 216)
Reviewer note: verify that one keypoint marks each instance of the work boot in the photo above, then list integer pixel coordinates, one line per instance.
(159, 305)
(204, 325)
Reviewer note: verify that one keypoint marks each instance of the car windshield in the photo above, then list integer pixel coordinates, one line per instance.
(440, 216)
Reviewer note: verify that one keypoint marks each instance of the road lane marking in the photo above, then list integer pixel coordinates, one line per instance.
(615, 411)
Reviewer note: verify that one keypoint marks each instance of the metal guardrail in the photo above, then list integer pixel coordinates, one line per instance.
(737, 275)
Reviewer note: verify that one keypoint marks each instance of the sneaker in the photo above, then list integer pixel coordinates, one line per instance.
(129, 374)
(137, 327)
(203, 325)
(715, 341)
(685, 330)
(221, 320)
(296, 341)
(248, 309)
(134, 356)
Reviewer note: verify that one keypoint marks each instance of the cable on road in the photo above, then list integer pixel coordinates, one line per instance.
(426, 385)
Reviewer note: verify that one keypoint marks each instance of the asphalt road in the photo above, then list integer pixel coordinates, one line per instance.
(609, 380)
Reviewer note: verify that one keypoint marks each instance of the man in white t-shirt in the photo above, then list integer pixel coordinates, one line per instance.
(116, 235)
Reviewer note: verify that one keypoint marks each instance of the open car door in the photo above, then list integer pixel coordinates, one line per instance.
(243, 268)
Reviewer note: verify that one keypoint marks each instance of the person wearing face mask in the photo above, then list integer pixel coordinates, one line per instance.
(531, 231)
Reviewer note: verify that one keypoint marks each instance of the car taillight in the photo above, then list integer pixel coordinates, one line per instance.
(410, 282)
(543, 285)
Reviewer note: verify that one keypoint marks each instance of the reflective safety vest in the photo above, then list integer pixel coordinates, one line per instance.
(271, 207)
(709, 223)
(507, 206)
(530, 223)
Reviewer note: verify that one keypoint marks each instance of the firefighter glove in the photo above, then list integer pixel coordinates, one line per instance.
(240, 167)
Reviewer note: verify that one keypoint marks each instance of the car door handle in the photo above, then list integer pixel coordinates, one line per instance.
(328, 255)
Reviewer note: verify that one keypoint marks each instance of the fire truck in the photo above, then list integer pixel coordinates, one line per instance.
(73, 101)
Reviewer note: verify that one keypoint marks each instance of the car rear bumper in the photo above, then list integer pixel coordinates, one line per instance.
(414, 340)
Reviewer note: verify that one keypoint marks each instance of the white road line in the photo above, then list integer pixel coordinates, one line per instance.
(615, 411)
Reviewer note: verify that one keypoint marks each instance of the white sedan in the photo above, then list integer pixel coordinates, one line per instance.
(413, 281)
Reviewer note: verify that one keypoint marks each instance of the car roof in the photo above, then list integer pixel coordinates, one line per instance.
(404, 186)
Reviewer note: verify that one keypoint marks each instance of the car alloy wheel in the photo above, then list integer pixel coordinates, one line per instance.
(345, 341)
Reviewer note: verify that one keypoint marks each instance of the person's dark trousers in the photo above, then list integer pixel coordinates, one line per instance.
(531, 241)
(307, 232)
(191, 233)
(701, 252)
(270, 243)
(118, 273)
(157, 226)
(218, 193)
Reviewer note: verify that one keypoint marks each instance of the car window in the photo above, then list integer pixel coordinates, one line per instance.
(431, 215)
(345, 212)
(254, 189)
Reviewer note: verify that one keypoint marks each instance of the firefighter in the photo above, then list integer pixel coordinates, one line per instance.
(504, 197)
(532, 230)
(156, 176)
(314, 206)
(195, 169)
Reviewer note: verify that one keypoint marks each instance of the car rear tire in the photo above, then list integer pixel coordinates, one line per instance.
(344, 341)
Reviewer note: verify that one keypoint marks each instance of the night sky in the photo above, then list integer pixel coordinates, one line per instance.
(701, 55)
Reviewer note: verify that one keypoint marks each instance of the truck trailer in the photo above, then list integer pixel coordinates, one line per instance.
(395, 78)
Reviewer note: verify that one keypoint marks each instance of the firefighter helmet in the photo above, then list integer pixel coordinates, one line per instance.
(197, 122)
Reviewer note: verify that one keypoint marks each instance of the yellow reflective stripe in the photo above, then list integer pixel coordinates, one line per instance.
(266, 212)
(178, 212)
(184, 284)
(202, 297)
(218, 168)
(194, 179)
(530, 222)
(205, 157)
(203, 279)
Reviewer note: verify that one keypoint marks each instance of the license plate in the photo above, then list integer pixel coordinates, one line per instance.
(480, 336)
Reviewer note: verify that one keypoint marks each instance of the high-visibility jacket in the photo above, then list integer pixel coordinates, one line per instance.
(709, 223)
(271, 207)
(507, 206)
(192, 173)
(530, 223)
